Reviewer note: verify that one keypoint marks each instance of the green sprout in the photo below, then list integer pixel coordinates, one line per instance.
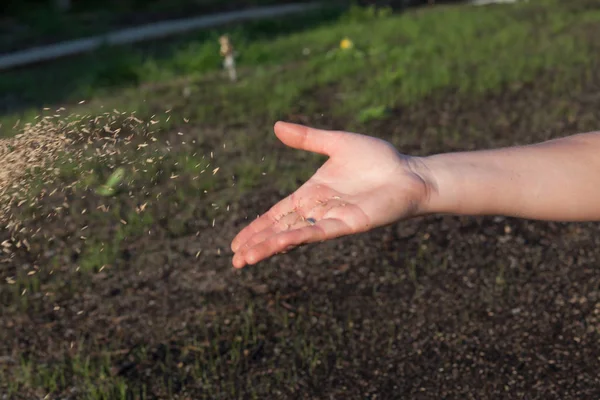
(109, 188)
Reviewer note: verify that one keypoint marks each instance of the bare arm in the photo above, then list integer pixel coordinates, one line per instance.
(367, 183)
(555, 180)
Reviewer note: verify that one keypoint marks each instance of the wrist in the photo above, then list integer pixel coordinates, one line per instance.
(442, 184)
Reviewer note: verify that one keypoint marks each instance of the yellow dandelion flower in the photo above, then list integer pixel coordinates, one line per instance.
(346, 44)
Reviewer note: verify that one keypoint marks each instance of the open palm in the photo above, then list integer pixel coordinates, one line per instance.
(364, 184)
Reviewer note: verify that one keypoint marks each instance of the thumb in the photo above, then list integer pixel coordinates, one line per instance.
(310, 139)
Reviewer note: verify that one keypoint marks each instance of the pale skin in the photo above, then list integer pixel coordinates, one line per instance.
(366, 183)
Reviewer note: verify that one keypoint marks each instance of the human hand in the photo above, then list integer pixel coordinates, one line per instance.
(364, 184)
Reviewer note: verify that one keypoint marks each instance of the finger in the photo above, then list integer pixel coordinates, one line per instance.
(260, 224)
(285, 211)
(265, 221)
(281, 219)
(322, 230)
(270, 245)
(310, 139)
(261, 236)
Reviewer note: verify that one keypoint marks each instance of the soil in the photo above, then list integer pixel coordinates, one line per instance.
(439, 307)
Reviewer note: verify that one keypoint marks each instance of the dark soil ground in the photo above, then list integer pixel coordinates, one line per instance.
(437, 307)
(440, 307)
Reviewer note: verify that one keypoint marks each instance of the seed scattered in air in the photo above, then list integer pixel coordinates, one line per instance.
(85, 139)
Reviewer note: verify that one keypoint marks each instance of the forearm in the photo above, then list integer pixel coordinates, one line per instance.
(556, 180)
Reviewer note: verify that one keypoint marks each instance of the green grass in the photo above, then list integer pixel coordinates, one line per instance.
(89, 375)
(397, 61)
(193, 55)
(221, 351)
